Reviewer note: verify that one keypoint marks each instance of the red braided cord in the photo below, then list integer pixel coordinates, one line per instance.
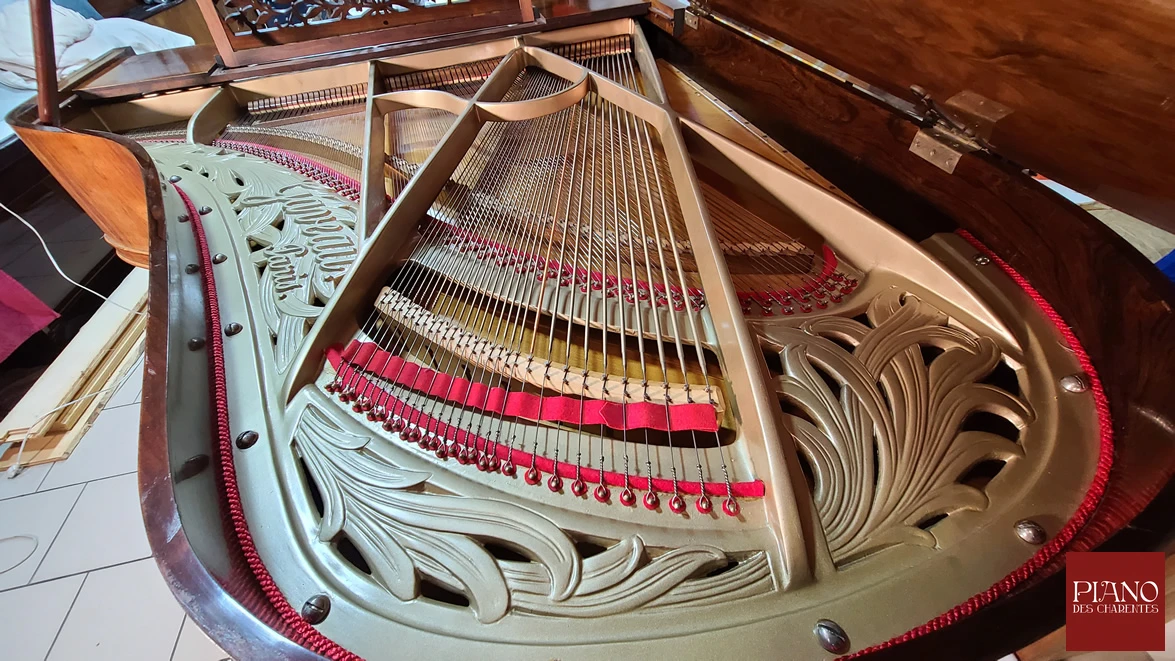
(1093, 496)
(303, 633)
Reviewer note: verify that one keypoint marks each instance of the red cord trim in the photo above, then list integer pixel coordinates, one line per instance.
(302, 632)
(1056, 547)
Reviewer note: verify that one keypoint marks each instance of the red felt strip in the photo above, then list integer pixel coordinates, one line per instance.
(368, 358)
(395, 407)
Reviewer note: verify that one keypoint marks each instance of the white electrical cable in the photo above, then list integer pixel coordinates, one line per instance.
(75, 283)
(16, 469)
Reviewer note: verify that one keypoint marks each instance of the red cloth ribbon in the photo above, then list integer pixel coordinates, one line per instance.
(21, 315)
(368, 358)
(568, 470)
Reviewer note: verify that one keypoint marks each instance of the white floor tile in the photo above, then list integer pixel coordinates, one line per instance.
(33, 615)
(111, 447)
(25, 483)
(105, 528)
(193, 645)
(29, 524)
(128, 392)
(123, 613)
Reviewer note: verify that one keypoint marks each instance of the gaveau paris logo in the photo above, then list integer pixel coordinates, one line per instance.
(1115, 602)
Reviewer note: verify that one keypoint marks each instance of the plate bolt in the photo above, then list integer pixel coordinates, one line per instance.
(246, 440)
(831, 636)
(316, 608)
(205, 210)
(982, 260)
(219, 258)
(1030, 531)
(195, 344)
(233, 328)
(1074, 383)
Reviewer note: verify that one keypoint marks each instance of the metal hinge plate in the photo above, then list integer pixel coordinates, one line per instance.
(671, 15)
(962, 125)
(940, 148)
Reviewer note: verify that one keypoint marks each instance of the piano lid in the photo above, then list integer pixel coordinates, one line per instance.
(1090, 85)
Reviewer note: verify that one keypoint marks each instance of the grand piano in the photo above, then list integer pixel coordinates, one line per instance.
(601, 329)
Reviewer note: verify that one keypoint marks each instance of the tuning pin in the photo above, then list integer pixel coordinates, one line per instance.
(704, 505)
(627, 497)
(396, 425)
(433, 443)
(367, 403)
(413, 435)
(652, 502)
(730, 506)
(493, 464)
(483, 464)
(601, 493)
(532, 475)
(677, 504)
(578, 487)
(555, 483)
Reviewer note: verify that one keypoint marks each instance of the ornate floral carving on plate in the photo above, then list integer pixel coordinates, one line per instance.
(407, 533)
(886, 443)
(300, 232)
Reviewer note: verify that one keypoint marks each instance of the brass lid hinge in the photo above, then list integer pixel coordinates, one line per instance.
(672, 16)
(960, 126)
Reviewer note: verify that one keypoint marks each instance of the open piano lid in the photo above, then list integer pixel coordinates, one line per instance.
(1090, 85)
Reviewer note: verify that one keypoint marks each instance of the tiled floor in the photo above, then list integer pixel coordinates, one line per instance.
(77, 581)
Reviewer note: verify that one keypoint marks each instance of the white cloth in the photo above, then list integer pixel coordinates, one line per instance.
(77, 41)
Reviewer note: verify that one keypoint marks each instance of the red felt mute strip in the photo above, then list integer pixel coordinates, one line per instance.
(465, 438)
(368, 358)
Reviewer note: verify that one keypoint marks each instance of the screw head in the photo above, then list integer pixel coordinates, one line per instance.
(195, 344)
(233, 328)
(192, 467)
(219, 258)
(205, 210)
(173, 178)
(831, 636)
(184, 218)
(1030, 531)
(1074, 383)
(192, 268)
(316, 608)
(982, 260)
(247, 439)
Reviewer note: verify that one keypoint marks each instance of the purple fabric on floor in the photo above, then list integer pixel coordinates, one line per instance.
(21, 315)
